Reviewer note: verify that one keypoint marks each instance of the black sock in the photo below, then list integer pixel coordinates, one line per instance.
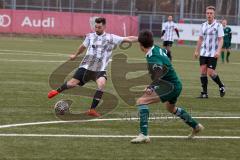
(227, 58)
(169, 55)
(204, 81)
(217, 80)
(96, 99)
(63, 87)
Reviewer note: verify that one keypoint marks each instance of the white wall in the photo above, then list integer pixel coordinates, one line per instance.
(191, 32)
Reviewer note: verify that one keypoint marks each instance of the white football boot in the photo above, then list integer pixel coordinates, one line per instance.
(195, 131)
(141, 139)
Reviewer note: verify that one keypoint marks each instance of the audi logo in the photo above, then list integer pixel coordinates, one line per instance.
(5, 20)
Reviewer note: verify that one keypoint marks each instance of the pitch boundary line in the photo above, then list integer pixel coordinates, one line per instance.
(47, 61)
(102, 120)
(21, 51)
(32, 61)
(113, 136)
(32, 54)
(62, 54)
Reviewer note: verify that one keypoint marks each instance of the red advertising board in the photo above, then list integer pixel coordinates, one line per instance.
(62, 23)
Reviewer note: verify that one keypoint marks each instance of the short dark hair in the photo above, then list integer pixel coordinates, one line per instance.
(145, 38)
(100, 20)
(210, 7)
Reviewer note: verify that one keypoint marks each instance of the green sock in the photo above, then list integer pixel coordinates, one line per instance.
(186, 117)
(144, 115)
(227, 58)
(222, 55)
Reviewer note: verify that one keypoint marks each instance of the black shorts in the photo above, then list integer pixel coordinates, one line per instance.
(84, 75)
(167, 43)
(211, 62)
(226, 45)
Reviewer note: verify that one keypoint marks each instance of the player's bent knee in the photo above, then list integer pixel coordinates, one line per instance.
(72, 83)
(170, 107)
(101, 82)
(101, 85)
(211, 72)
(141, 101)
(203, 69)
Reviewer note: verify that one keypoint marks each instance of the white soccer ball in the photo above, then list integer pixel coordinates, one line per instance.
(61, 107)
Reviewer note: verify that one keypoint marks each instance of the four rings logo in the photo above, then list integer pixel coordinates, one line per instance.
(5, 20)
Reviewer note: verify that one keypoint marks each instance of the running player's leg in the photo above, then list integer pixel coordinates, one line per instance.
(166, 45)
(69, 84)
(228, 53)
(169, 53)
(66, 85)
(213, 74)
(203, 77)
(97, 97)
(101, 80)
(168, 48)
(222, 54)
(142, 104)
(78, 79)
(185, 116)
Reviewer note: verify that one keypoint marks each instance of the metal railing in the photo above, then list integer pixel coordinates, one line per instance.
(191, 10)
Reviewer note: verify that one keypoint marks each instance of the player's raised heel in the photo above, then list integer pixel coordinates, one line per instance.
(52, 94)
(222, 91)
(141, 139)
(203, 95)
(93, 112)
(195, 131)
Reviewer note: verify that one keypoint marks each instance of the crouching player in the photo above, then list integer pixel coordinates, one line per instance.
(166, 87)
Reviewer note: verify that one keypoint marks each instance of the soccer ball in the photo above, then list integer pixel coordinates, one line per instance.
(61, 107)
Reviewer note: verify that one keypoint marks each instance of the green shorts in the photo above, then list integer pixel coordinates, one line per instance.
(169, 92)
(226, 45)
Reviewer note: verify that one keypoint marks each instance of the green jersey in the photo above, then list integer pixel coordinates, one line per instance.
(157, 58)
(227, 34)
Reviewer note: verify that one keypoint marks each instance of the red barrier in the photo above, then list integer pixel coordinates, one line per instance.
(180, 41)
(62, 23)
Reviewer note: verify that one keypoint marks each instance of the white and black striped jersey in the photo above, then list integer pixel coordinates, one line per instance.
(210, 34)
(99, 50)
(169, 28)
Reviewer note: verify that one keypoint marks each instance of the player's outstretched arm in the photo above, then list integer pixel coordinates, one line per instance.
(130, 39)
(199, 43)
(80, 50)
(177, 32)
(163, 32)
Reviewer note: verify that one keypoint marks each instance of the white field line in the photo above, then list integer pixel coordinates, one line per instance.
(55, 53)
(113, 136)
(18, 51)
(102, 120)
(31, 61)
(33, 54)
(47, 61)
(22, 39)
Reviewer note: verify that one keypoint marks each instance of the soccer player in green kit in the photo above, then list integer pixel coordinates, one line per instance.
(226, 40)
(165, 87)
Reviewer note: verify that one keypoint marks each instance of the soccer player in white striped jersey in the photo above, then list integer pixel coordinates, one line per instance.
(168, 35)
(210, 41)
(93, 67)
